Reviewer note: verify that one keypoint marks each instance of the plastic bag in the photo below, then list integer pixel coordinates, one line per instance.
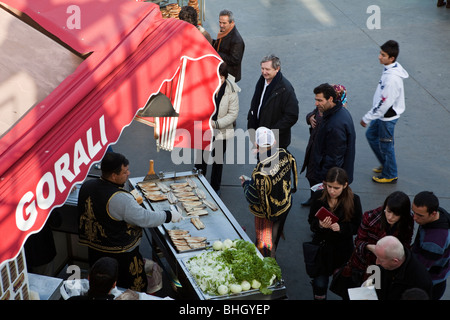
(78, 287)
(154, 276)
(75, 287)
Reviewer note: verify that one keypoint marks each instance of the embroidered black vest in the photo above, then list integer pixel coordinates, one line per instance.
(97, 229)
(272, 177)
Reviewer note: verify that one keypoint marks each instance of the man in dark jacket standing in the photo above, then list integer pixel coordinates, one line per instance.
(229, 44)
(274, 104)
(334, 143)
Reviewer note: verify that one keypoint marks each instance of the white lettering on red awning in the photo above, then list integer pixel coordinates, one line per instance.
(52, 183)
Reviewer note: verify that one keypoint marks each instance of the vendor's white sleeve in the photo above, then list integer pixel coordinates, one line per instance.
(124, 207)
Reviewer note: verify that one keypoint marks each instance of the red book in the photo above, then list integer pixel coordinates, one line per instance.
(322, 213)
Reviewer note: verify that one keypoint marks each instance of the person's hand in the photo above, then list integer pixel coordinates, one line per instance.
(325, 223)
(176, 216)
(371, 247)
(243, 178)
(335, 227)
(363, 123)
(312, 121)
(328, 224)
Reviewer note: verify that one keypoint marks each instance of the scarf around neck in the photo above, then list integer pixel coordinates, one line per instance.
(222, 35)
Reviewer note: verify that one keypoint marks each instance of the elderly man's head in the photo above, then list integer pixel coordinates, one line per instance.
(390, 253)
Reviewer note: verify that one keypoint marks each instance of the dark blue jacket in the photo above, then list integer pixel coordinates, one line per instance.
(334, 144)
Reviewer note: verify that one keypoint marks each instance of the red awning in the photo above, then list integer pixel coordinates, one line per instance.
(136, 54)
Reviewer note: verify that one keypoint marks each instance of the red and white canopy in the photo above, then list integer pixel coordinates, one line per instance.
(135, 54)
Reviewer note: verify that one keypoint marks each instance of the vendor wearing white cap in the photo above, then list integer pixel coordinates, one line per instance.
(269, 191)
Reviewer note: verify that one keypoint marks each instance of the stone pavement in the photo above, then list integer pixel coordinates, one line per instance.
(330, 41)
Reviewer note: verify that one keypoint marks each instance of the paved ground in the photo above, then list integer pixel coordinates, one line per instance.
(329, 41)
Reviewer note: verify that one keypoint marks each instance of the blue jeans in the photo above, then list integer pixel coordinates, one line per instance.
(380, 136)
(320, 286)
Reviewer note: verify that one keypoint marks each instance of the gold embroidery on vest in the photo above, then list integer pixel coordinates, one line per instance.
(92, 228)
(286, 191)
(136, 269)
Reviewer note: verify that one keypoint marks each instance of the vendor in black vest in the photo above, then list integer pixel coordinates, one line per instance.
(111, 221)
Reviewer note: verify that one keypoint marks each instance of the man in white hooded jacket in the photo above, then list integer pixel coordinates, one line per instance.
(388, 105)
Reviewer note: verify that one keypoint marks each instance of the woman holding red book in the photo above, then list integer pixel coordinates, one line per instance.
(336, 237)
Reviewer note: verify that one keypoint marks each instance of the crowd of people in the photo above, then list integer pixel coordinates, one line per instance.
(380, 236)
(111, 221)
(405, 264)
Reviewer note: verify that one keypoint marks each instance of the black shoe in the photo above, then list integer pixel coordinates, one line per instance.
(307, 203)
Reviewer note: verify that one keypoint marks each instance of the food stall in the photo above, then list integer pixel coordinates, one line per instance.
(67, 128)
(104, 69)
(191, 194)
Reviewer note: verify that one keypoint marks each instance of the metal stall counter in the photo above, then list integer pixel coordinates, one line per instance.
(206, 219)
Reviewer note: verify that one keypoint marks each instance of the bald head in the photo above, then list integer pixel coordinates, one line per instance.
(390, 253)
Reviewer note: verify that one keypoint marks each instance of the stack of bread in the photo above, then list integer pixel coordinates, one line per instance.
(164, 13)
(194, 4)
(184, 241)
(171, 11)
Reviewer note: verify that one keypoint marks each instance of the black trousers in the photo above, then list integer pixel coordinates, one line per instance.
(218, 155)
(131, 268)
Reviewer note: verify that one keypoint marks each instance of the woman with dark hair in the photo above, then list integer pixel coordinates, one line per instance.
(393, 218)
(337, 237)
(227, 109)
